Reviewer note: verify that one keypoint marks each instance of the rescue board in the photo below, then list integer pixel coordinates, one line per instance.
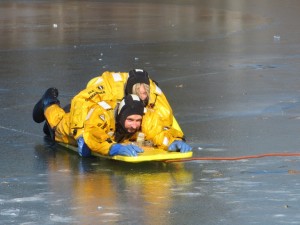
(149, 154)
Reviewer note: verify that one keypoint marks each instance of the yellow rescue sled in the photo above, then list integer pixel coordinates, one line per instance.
(149, 154)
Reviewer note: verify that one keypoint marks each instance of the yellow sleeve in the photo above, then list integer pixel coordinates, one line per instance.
(113, 81)
(81, 105)
(96, 80)
(155, 131)
(99, 129)
(159, 103)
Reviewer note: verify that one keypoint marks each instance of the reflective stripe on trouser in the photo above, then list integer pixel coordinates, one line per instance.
(58, 119)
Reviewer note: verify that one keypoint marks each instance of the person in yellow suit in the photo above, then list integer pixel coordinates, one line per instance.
(92, 110)
(138, 82)
(99, 127)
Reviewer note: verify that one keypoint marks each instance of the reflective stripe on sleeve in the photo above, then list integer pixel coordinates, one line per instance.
(104, 105)
(165, 141)
(117, 77)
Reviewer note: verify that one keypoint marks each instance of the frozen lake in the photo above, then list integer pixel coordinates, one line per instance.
(230, 69)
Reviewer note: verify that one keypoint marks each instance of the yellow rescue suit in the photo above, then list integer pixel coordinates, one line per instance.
(157, 103)
(92, 115)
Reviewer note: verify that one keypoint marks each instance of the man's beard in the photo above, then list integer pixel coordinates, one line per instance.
(122, 133)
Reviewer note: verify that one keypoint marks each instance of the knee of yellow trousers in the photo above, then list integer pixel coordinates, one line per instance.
(59, 137)
(63, 132)
(54, 114)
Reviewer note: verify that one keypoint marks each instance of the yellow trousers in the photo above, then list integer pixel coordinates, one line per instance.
(59, 120)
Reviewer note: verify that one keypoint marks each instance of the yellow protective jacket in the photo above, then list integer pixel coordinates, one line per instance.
(92, 114)
(99, 127)
(101, 94)
(158, 120)
(155, 131)
(157, 100)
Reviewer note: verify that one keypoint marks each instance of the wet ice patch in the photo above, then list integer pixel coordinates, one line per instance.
(27, 199)
(4, 90)
(35, 198)
(282, 107)
(276, 38)
(216, 179)
(60, 219)
(254, 66)
(110, 214)
(296, 118)
(243, 184)
(57, 202)
(210, 171)
(10, 212)
(189, 194)
(64, 170)
(215, 149)
(279, 215)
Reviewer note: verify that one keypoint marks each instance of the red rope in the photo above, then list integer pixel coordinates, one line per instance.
(282, 154)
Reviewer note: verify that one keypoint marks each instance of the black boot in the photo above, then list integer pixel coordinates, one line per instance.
(49, 98)
(48, 131)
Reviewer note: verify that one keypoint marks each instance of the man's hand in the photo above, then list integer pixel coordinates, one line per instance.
(180, 145)
(126, 150)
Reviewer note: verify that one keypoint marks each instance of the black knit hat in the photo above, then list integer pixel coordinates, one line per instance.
(130, 105)
(136, 76)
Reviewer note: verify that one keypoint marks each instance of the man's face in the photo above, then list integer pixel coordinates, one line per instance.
(133, 123)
